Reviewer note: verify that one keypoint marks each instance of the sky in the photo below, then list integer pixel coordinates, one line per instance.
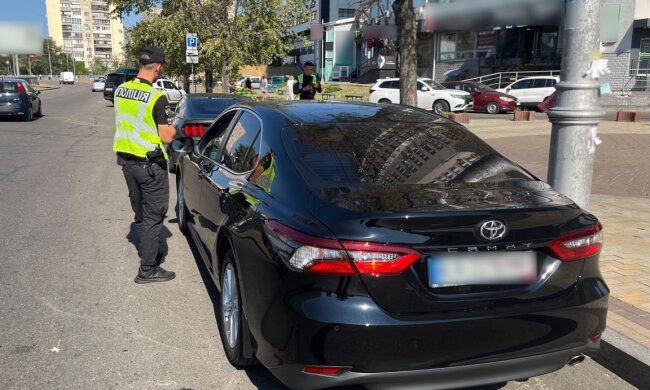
(33, 12)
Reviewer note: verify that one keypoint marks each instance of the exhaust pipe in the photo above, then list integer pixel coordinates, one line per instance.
(574, 361)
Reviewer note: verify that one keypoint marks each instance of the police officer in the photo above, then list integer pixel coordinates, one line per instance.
(307, 84)
(141, 130)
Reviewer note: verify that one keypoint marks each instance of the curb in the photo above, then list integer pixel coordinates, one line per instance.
(625, 358)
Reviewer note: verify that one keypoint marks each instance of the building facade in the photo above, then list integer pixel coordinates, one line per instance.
(86, 30)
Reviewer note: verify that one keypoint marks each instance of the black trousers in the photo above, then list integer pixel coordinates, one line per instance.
(149, 195)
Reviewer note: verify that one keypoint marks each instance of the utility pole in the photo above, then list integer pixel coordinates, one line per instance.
(577, 111)
(49, 57)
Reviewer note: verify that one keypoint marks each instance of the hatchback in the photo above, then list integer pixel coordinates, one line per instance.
(386, 246)
(19, 99)
(531, 91)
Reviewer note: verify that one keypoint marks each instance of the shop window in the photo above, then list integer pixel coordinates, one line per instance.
(457, 45)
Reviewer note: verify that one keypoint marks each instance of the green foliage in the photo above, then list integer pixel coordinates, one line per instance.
(245, 92)
(231, 33)
(100, 69)
(331, 88)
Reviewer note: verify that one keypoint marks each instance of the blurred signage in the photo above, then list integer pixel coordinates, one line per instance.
(486, 39)
(484, 14)
(316, 31)
(20, 38)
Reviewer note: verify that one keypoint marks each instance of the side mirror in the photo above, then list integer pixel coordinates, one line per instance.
(37, 93)
(508, 89)
(184, 145)
(425, 89)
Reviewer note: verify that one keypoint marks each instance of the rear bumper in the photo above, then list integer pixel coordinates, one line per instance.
(438, 378)
(12, 109)
(447, 350)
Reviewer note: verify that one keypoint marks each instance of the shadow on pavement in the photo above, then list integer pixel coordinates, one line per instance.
(625, 366)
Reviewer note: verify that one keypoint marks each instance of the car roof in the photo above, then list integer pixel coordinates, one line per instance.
(14, 80)
(322, 112)
(219, 96)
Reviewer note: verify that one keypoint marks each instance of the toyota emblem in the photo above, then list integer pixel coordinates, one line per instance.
(492, 230)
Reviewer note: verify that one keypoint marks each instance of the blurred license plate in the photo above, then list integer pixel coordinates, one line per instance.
(480, 268)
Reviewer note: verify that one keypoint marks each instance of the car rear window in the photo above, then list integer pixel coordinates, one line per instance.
(394, 152)
(114, 80)
(209, 106)
(8, 87)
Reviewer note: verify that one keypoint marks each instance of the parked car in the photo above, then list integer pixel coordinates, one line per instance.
(66, 78)
(173, 93)
(383, 245)
(18, 98)
(113, 80)
(278, 81)
(255, 81)
(99, 84)
(431, 95)
(485, 98)
(531, 91)
(195, 113)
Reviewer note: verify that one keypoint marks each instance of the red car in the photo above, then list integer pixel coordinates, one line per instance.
(485, 98)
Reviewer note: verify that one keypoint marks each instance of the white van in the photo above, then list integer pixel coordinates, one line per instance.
(66, 78)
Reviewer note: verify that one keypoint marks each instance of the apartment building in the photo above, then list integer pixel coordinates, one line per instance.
(85, 30)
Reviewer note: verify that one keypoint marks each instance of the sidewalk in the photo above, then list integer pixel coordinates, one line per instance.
(625, 262)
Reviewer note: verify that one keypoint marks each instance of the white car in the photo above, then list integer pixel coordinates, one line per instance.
(66, 78)
(99, 84)
(173, 93)
(531, 90)
(431, 95)
(255, 81)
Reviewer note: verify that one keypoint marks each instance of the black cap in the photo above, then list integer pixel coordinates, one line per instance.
(309, 63)
(151, 55)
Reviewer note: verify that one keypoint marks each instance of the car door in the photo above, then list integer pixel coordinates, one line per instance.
(538, 90)
(521, 90)
(225, 180)
(198, 163)
(33, 97)
(426, 96)
(478, 96)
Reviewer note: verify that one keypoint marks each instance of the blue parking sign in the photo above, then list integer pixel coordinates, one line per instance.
(191, 41)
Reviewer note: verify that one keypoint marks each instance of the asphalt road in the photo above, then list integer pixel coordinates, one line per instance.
(70, 315)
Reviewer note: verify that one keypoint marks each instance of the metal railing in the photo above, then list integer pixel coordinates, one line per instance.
(503, 79)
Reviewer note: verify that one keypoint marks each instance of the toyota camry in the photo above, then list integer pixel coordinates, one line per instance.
(386, 246)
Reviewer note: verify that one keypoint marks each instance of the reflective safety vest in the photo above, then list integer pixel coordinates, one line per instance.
(136, 132)
(267, 177)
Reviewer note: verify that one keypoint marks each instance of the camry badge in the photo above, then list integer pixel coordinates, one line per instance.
(492, 230)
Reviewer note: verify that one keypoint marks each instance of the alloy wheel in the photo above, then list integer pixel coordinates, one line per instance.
(230, 306)
(492, 108)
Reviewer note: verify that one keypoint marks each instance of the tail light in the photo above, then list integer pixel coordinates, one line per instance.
(371, 91)
(194, 130)
(20, 88)
(323, 370)
(306, 253)
(580, 244)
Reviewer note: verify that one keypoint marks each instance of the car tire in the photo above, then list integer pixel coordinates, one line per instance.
(40, 110)
(29, 115)
(440, 106)
(181, 209)
(384, 101)
(492, 108)
(232, 318)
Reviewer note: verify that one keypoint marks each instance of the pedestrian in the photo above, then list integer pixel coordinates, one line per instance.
(141, 130)
(307, 83)
(290, 83)
(264, 87)
(248, 83)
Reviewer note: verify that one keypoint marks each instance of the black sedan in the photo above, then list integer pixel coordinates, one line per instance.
(19, 99)
(195, 113)
(383, 245)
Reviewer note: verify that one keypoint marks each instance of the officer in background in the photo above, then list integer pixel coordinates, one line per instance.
(307, 84)
(141, 130)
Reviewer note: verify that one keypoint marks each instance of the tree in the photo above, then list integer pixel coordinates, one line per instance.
(231, 33)
(407, 45)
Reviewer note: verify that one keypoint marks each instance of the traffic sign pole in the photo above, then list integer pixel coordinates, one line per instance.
(192, 52)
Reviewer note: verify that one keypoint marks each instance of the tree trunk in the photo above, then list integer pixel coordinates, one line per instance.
(407, 41)
(186, 82)
(225, 87)
(208, 82)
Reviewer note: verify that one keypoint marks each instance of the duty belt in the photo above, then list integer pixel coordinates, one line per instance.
(130, 157)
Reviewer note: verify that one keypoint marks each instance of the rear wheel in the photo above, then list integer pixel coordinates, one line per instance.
(386, 101)
(440, 106)
(40, 110)
(492, 108)
(232, 318)
(181, 215)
